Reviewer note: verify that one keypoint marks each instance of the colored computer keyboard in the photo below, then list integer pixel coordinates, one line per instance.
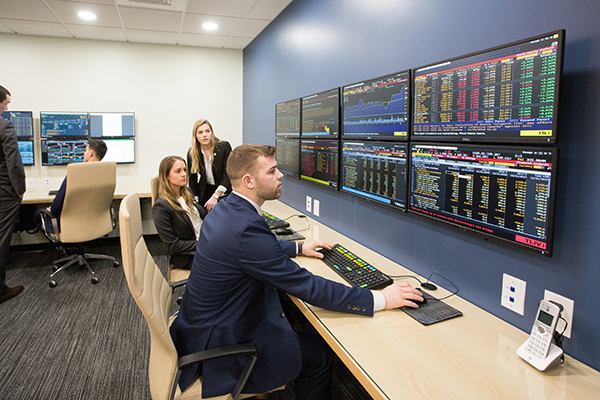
(273, 221)
(355, 270)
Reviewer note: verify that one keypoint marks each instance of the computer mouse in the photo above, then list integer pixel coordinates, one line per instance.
(417, 302)
(284, 231)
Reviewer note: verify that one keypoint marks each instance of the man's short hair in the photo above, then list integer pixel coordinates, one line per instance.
(99, 147)
(242, 160)
(3, 93)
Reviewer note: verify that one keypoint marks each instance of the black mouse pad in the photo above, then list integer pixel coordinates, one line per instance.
(433, 311)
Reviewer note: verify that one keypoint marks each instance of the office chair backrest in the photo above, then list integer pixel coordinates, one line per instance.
(86, 210)
(152, 295)
(154, 188)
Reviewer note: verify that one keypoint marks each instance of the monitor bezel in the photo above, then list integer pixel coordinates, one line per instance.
(32, 150)
(551, 202)
(46, 164)
(287, 173)
(489, 140)
(289, 135)
(132, 113)
(379, 138)
(318, 182)
(108, 140)
(364, 197)
(65, 137)
(20, 137)
(337, 115)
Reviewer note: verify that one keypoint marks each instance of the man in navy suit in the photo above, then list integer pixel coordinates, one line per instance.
(231, 295)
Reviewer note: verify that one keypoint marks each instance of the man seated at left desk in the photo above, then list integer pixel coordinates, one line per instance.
(95, 151)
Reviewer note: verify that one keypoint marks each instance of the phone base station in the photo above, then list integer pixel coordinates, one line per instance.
(552, 360)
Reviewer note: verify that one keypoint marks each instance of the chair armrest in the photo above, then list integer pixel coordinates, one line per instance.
(177, 284)
(248, 349)
(53, 236)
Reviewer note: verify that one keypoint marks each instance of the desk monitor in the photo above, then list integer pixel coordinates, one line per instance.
(507, 193)
(507, 94)
(26, 150)
(22, 121)
(321, 114)
(288, 156)
(287, 119)
(59, 125)
(122, 151)
(112, 124)
(375, 171)
(320, 162)
(377, 108)
(63, 152)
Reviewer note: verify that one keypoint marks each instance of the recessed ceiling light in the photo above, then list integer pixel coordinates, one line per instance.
(210, 26)
(88, 16)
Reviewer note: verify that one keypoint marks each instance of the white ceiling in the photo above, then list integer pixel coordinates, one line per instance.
(173, 22)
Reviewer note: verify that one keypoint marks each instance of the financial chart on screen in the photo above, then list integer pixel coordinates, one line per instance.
(377, 108)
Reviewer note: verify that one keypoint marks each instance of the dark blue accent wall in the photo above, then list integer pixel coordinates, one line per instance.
(316, 45)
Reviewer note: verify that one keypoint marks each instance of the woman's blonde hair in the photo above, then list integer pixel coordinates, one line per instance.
(196, 152)
(164, 187)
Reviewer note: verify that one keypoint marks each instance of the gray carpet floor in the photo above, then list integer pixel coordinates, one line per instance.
(85, 341)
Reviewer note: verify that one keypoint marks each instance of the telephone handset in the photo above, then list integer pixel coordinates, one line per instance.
(539, 350)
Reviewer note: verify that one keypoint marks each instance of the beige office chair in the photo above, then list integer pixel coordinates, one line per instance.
(174, 274)
(153, 296)
(86, 213)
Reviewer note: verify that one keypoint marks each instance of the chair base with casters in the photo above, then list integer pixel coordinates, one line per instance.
(80, 258)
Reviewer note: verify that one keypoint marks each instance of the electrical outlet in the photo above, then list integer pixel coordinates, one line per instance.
(30, 183)
(567, 312)
(47, 182)
(316, 207)
(513, 294)
(308, 204)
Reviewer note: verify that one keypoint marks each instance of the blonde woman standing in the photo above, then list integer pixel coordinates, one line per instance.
(207, 159)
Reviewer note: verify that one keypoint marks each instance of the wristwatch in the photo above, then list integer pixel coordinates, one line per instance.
(216, 196)
(299, 247)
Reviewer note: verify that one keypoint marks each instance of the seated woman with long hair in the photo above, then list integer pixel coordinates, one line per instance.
(176, 215)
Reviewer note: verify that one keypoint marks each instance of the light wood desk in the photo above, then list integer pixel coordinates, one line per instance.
(395, 357)
(41, 196)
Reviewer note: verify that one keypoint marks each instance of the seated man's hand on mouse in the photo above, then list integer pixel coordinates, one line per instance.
(401, 294)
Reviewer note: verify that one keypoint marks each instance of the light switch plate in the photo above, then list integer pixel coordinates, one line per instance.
(513, 293)
(316, 207)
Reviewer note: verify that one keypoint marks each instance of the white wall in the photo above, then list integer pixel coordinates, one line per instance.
(168, 88)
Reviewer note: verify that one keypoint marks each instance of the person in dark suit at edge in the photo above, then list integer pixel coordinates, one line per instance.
(95, 151)
(177, 217)
(207, 159)
(231, 295)
(12, 187)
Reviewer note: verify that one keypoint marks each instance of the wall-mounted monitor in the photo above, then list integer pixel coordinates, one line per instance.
(503, 192)
(320, 162)
(122, 151)
(287, 119)
(377, 109)
(26, 150)
(375, 171)
(321, 115)
(112, 125)
(288, 156)
(507, 94)
(63, 152)
(22, 121)
(60, 125)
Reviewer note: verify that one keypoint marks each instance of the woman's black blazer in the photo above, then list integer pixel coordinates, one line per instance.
(197, 181)
(176, 230)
